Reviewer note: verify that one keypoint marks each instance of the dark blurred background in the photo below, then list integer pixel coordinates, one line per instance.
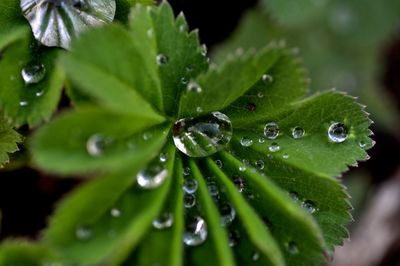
(27, 197)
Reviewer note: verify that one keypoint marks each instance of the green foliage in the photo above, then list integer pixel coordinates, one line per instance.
(8, 141)
(262, 199)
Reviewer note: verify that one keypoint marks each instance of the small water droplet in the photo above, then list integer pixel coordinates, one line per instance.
(255, 256)
(267, 78)
(147, 135)
(186, 171)
(150, 33)
(294, 195)
(297, 132)
(271, 130)
(183, 28)
(202, 136)
(39, 93)
(162, 59)
(228, 214)
(260, 94)
(219, 164)
(199, 109)
(195, 231)
(190, 185)
(204, 50)
(246, 142)
(95, 145)
(239, 183)
(152, 176)
(164, 221)
(189, 200)
(274, 147)
(292, 247)
(23, 103)
(115, 212)
(242, 168)
(260, 164)
(193, 87)
(261, 140)
(285, 156)
(362, 144)
(309, 206)
(337, 132)
(251, 107)
(234, 237)
(163, 157)
(184, 80)
(83, 233)
(189, 68)
(33, 73)
(213, 188)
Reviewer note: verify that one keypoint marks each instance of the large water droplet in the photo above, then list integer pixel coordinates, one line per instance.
(297, 132)
(196, 232)
(202, 136)
(165, 220)
(337, 132)
(189, 200)
(228, 213)
(56, 22)
(152, 176)
(190, 185)
(33, 73)
(83, 233)
(271, 130)
(246, 142)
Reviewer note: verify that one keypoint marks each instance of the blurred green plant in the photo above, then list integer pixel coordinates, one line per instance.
(190, 161)
(341, 43)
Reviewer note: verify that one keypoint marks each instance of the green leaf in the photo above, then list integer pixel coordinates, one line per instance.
(164, 246)
(107, 237)
(22, 253)
(217, 244)
(10, 16)
(261, 78)
(8, 141)
(256, 230)
(296, 232)
(162, 38)
(93, 139)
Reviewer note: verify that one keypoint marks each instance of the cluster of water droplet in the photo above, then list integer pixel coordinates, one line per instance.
(32, 74)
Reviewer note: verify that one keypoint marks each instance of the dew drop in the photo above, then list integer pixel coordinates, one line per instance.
(23, 103)
(163, 157)
(219, 164)
(285, 156)
(239, 183)
(274, 147)
(83, 233)
(189, 200)
(213, 188)
(234, 238)
(184, 80)
(199, 109)
(271, 130)
(190, 185)
(337, 132)
(95, 145)
(261, 140)
(242, 168)
(202, 136)
(255, 256)
(309, 206)
(362, 144)
(260, 94)
(292, 247)
(251, 107)
(195, 232)
(39, 93)
(260, 164)
(150, 33)
(204, 50)
(115, 212)
(228, 213)
(33, 73)
(183, 28)
(297, 132)
(152, 176)
(294, 195)
(193, 87)
(246, 142)
(147, 135)
(164, 221)
(267, 78)
(162, 59)
(186, 171)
